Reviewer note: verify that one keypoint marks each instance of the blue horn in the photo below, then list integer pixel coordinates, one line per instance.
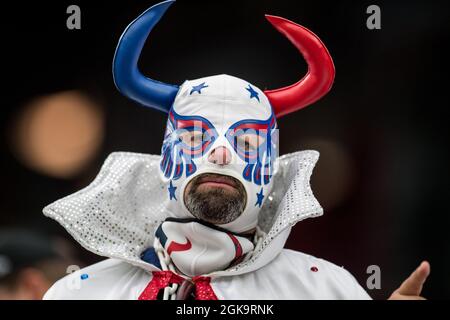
(127, 78)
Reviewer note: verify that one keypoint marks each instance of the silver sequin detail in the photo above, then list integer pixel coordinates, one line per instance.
(117, 214)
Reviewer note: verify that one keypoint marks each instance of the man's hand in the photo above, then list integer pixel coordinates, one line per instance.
(411, 287)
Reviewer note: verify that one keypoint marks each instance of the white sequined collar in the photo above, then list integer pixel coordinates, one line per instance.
(117, 214)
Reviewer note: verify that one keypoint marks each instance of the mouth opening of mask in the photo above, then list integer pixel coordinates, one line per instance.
(215, 198)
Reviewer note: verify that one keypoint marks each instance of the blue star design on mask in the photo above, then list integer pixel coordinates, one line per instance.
(260, 198)
(172, 191)
(198, 88)
(253, 93)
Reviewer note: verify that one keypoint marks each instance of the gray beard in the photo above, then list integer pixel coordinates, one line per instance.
(216, 206)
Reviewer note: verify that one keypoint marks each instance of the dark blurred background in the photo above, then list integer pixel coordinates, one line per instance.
(382, 131)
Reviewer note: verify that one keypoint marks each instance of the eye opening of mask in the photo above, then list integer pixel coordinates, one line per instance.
(193, 139)
(250, 141)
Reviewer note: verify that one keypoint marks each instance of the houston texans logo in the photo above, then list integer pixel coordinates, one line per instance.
(173, 246)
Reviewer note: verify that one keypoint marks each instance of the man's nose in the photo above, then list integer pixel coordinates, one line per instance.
(220, 155)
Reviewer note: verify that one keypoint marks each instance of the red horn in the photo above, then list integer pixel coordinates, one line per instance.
(316, 83)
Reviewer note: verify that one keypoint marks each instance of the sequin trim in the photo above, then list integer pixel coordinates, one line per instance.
(162, 279)
(203, 289)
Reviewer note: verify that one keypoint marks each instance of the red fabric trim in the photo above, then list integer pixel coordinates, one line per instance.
(203, 289)
(237, 246)
(161, 279)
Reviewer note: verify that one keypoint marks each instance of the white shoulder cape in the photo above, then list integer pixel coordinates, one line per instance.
(117, 214)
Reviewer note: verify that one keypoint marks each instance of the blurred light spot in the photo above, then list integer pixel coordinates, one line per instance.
(59, 134)
(5, 265)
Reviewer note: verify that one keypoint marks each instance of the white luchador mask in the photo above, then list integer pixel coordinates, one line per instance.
(213, 113)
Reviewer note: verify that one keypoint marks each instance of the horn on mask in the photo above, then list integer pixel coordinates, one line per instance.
(319, 78)
(127, 77)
